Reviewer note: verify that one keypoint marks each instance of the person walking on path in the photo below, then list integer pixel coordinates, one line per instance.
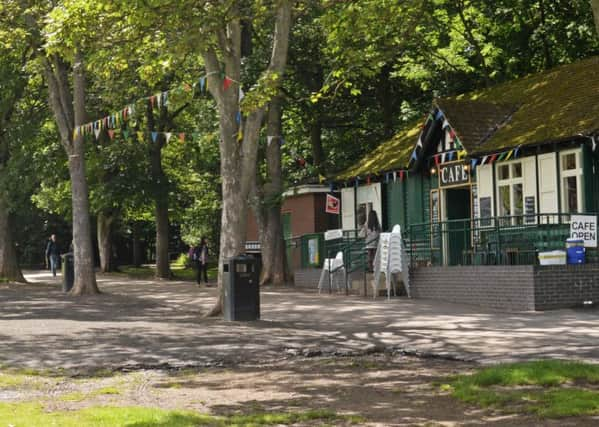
(52, 254)
(201, 259)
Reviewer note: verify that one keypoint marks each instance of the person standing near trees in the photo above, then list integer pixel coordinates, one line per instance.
(200, 256)
(52, 254)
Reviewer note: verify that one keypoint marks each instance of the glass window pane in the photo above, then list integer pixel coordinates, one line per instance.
(504, 172)
(517, 201)
(504, 200)
(569, 162)
(517, 170)
(571, 194)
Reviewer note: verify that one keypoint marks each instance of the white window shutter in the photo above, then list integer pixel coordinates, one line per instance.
(548, 202)
(348, 209)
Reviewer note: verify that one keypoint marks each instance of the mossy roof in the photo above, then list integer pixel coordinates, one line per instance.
(550, 106)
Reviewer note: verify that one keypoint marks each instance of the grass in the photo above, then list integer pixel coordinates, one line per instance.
(80, 397)
(549, 388)
(32, 414)
(179, 268)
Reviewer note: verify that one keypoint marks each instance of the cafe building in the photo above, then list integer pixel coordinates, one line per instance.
(489, 187)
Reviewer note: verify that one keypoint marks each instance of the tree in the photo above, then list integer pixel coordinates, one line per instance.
(595, 7)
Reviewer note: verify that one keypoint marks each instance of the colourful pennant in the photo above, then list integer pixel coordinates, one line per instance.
(182, 137)
(227, 83)
(111, 133)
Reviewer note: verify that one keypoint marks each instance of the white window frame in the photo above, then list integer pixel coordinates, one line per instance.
(577, 172)
(511, 181)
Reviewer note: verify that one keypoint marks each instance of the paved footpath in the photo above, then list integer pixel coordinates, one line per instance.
(151, 323)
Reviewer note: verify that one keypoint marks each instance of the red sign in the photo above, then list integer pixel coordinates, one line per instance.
(332, 205)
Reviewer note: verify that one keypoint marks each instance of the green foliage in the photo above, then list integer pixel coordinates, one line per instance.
(541, 387)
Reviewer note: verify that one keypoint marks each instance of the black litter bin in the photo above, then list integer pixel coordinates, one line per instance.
(68, 271)
(241, 287)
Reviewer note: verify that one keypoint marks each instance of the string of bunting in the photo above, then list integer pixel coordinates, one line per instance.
(119, 118)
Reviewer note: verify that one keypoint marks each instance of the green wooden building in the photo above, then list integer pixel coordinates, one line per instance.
(489, 177)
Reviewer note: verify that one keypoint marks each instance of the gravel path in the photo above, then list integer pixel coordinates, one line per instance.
(149, 323)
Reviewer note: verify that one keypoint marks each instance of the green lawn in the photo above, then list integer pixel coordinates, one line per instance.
(178, 268)
(548, 388)
(33, 415)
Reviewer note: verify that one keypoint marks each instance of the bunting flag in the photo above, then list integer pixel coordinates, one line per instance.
(140, 136)
(202, 83)
(501, 156)
(238, 117)
(154, 136)
(111, 133)
(439, 114)
(357, 182)
(167, 136)
(97, 132)
(414, 155)
(594, 142)
(516, 152)
(181, 137)
(461, 154)
(445, 124)
(321, 178)
(331, 187)
(368, 180)
(484, 160)
(450, 156)
(269, 140)
(508, 155)
(241, 94)
(394, 176)
(419, 143)
(493, 158)
(401, 175)
(240, 135)
(473, 163)
(437, 159)
(125, 133)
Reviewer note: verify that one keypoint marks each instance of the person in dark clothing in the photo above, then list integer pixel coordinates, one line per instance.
(200, 257)
(52, 253)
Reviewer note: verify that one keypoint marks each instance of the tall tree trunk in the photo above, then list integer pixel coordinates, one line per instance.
(595, 7)
(9, 269)
(69, 111)
(238, 160)
(316, 141)
(137, 259)
(160, 182)
(268, 212)
(104, 229)
(546, 48)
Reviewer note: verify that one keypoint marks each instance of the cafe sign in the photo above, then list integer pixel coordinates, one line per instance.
(453, 174)
(584, 227)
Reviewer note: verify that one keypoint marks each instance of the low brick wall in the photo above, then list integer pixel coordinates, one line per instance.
(306, 277)
(510, 288)
(565, 286)
(500, 287)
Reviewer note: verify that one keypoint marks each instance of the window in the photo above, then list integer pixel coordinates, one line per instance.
(510, 195)
(571, 181)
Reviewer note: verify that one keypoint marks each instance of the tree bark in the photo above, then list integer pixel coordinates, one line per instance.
(268, 209)
(160, 182)
(69, 111)
(595, 7)
(104, 229)
(9, 268)
(137, 258)
(238, 161)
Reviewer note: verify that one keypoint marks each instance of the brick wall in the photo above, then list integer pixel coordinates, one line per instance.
(565, 286)
(502, 287)
(306, 277)
(511, 288)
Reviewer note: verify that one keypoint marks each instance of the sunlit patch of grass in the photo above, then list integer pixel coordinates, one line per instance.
(32, 414)
(11, 380)
(547, 388)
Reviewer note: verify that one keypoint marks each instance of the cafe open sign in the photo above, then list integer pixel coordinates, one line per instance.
(584, 227)
(453, 174)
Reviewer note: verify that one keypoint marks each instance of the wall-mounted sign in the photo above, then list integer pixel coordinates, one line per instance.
(453, 174)
(332, 205)
(584, 227)
(333, 234)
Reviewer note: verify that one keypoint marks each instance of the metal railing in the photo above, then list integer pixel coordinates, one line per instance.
(503, 240)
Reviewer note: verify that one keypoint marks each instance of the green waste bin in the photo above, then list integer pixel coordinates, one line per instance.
(68, 271)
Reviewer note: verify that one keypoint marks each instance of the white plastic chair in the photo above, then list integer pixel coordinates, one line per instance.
(335, 269)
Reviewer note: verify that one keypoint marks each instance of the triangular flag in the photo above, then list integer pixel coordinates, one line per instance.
(168, 135)
(473, 163)
(240, 135)
(97, 132)
(394, 176)
(387, 178)
(331, 187)
(516, 152)
(461, 154)
(484, 160)
(158, 99)
(202, 83)
(445, 124)
(125, 134)
(401, 175)
(226, 83)
(238, 117)
(321, 178)
(414, 155)
(241, 94)
(269, 140)
(140, 136)
(368, 180)
(501, 156)
(439, 114)
(111, 133)
(509, 154)
(154, 136)
(131, 110)
(182, 137)
(152, 99)
(493, 158)
(419, 143)
(443, 155)
(594, 142)
(165, 98)
(186, 87)
(437, 159)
